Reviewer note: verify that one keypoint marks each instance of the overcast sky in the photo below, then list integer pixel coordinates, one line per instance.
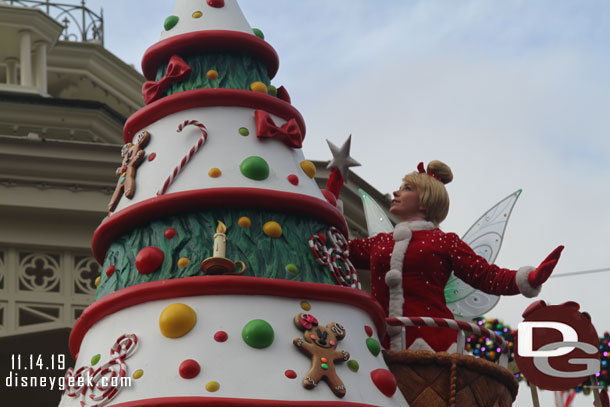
(511, 94)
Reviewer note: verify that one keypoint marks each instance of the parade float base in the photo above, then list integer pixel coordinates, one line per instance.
(425, 379)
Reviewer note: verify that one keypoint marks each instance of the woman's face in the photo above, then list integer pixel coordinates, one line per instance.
(405, 204)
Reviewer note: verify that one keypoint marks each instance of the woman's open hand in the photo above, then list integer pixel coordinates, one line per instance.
(537, 277)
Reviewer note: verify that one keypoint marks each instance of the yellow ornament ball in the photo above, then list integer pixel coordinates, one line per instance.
(212, 386)
(212, 74)
(272, 229)
(309, 168)
(244, 222)
(183, 262)
(197, 14)
(215, 172)
(258, 87)
(177, 320)
(97, 281)
(305, 305)
(138, 373)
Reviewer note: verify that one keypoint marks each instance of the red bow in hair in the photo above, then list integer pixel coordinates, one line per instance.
(289, 133)
(420, 168)
(177, 71)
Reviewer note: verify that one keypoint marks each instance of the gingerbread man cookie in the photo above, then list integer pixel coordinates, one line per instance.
(132, 154)
(320, 343)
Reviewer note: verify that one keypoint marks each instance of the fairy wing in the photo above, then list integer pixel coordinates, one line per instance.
(485, 238)
(376, 219)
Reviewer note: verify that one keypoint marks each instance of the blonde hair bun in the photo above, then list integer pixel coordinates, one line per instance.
(441, 169)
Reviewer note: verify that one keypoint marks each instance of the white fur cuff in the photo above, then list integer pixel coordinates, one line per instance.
(524, 285)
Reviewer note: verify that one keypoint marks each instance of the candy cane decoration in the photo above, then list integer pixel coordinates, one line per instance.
(453, 324)
(336, 259)
(97, 388)
(186, 158)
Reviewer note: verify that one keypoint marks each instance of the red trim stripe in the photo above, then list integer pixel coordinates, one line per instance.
(208, 40)
(137, 214)
(191, 99)
(222, 285)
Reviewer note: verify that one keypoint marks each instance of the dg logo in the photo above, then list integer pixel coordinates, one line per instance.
(557, 347)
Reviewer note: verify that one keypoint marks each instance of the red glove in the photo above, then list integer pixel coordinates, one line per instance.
(537, 277)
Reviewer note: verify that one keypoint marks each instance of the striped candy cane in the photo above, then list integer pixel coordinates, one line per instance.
(458, 326)
(98, 388)
(186, 158)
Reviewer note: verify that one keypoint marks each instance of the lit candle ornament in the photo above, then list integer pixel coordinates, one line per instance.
(218, 263)
(220, 240)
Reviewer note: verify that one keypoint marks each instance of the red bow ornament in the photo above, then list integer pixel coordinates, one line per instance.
(177, 71)
(289, 133)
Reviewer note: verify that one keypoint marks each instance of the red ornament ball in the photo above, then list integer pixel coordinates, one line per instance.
(291, 374)
(216, 3)
(368, 330)
(149, 259)
(189, 369)
(110, 271)
(385, 381)
(152, 156)
(170, 233)
(293, 179)
(221, 336)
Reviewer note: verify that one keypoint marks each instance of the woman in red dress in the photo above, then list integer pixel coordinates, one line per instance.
(410, 267)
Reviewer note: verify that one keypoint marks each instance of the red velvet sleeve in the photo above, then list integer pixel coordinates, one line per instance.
(475, 270)
(360, 252)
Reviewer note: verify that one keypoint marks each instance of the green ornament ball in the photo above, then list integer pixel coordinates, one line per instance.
(258, 334)
(170, 22)
(244, 131)
(255, 168)
(291, 268)
(95, 359)
(353, 365)
(272, 90)
(258, 33)
(373, 345)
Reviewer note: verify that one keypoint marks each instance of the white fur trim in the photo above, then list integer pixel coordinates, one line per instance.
(524, 285)
(402, 238)
(402, 231)
(393, 278)
(398, 254)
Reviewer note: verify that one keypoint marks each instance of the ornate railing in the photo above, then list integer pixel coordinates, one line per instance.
(80, 23)
(44, 289)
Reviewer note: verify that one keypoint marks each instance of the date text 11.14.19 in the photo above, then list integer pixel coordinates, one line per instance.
(38, 362)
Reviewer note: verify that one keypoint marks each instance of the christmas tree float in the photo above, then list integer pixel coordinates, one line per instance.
(226, 278)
